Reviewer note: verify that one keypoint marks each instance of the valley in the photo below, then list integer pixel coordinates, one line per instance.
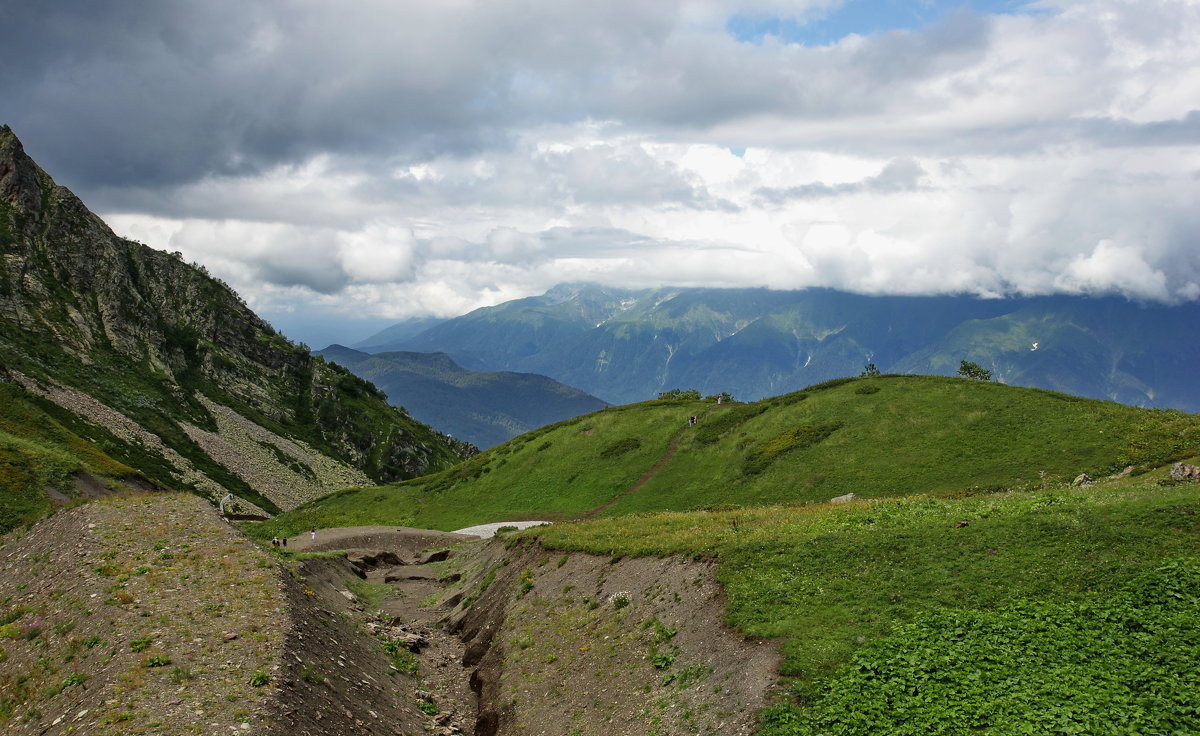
(888, 553)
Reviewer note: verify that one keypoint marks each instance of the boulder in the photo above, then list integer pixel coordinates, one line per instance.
(1082, 479)
(1184, 471)
(844, 499)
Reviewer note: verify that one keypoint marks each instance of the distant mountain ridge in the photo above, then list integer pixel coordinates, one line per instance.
(121, 361)
(626, 345)
(484, 409)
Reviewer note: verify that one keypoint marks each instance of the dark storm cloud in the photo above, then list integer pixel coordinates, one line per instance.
(158, 93)
(165, 92)
(434, 155)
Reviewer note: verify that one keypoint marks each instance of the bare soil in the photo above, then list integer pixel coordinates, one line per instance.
(580, 644)
(137, 613)
(150, 614)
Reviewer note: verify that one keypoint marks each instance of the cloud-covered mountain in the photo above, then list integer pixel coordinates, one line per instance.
(397, 159)
(484, 409)
(629, 345)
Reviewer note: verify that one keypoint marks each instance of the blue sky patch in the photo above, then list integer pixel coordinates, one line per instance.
(864, 17)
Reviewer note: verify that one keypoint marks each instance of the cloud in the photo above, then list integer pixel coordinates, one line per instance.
(897, 176)
(377, 255)
(400, 157)
(1113, 266)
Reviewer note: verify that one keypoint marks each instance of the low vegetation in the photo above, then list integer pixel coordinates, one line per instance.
(957, 615)
(878, 436)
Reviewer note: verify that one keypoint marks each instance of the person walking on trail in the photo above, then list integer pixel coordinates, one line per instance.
(312, 535)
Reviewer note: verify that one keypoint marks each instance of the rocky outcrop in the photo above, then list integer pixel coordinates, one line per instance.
(162, 344)
(1185, 471)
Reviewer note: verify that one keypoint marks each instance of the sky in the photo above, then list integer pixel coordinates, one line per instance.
(346, 165)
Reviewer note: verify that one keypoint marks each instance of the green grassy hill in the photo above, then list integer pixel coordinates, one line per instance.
(877, 437)
(970, 589)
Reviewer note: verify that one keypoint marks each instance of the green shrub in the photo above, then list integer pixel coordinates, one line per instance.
(525, 583)
(717, 425)
(796, 438)
(620, 447)
(428, 707)
(402, 658)
(259, 678)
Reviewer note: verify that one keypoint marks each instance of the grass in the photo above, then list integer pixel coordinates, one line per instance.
(905, 435)
(884, 580)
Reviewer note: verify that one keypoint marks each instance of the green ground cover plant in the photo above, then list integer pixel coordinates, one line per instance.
(946, 597)
(1115, 666)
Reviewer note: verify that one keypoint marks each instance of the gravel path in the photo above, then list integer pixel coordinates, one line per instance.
(489, 530)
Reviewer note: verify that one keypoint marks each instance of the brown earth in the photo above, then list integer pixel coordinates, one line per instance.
(581, 644)
(137, 613)
(150, 614)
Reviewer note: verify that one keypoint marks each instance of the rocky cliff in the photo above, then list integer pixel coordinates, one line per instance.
(151, 362)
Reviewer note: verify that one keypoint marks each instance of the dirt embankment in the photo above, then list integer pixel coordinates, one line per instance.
(580, 644)
(518, 640)
(149, 613)
(140, 613)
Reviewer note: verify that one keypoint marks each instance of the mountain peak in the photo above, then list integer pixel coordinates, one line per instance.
(21, 180)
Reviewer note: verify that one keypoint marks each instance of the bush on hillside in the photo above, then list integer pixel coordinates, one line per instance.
(715, 426)
(676, 394)
(620, 447)
(974, 371)
(796, 438)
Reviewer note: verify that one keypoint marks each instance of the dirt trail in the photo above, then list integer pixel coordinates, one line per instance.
(640, 481)
(652, 471)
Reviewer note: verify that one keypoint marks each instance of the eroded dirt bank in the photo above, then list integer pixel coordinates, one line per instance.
(517, 640)
(580, 644)
(151, 614)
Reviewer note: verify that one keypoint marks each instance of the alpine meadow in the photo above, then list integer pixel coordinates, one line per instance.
(566, 368)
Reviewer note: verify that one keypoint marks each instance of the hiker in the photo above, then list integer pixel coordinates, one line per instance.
(284, 541)
(313, 534)
(274, 541)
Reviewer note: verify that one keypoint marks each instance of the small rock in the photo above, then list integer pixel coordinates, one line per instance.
(961, 524)
(230, 637)
(844, 499)
(1124, 473)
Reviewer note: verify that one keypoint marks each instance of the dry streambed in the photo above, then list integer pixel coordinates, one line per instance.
(150, 614)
